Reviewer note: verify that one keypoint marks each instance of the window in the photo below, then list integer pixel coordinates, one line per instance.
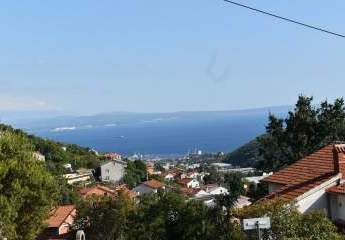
(107, 170)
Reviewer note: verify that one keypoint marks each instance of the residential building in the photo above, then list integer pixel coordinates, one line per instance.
(97, 190)
(110, 171)
(151, 186)
(189, 183)
(214, 189)
(73, 178)
(123, 189)
(242, 202)
(150, 168)
(169, 176)
(193, 175)
(59, 222)
(256, 179)
(314, 182)
(113, 156)
(77, 177)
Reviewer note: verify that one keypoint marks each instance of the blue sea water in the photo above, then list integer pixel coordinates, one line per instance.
(174, 136)
(156, 133)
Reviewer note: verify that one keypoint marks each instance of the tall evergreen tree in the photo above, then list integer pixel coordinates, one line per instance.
(303, 131)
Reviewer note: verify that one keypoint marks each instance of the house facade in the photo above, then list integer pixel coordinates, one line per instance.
(110, 171)
(189, 183)
(314, 182)
(59, 222)
(151, 186)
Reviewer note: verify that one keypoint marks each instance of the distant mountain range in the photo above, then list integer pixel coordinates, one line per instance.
(152, 133)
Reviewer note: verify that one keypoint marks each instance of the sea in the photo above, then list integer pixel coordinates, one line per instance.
(157, 134)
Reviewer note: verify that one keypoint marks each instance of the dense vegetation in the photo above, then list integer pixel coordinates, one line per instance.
(168, 215)
(135, 173)
(161, 216)
(288, 223)
(305, 129)
(57, 154)
(27, 191)
(247, 155)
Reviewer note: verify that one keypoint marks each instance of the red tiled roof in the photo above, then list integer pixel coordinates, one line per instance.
(123, 189)
(340, 189)
(97, 190)
(292, 191)
(153, 184)
(59, 215)
(305, 174)
(189, 191)
(314, 165)
(184, 181)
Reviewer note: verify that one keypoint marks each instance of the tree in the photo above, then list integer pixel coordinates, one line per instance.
(27, 191)
(135, 173)
(233, 182)
(303, 131)
(103, 217)
(168, 216)
(288, 223)
(212, 177)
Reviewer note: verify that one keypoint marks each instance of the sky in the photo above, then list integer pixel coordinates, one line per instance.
(91, 56)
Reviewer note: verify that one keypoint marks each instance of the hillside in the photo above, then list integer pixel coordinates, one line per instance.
(56, 153)
(245, 156)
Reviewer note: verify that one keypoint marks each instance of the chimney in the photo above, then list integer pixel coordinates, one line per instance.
(339, 159)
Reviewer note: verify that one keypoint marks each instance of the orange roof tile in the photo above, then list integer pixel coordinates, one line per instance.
(340, 189)
(305, 174)
(314, 165)
(59, 215)
(97, 190)
(184, 181)
(153, 184)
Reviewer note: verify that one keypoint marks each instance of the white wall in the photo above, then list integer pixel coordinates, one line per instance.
(112, 171)
(317, 200)
(219, 190)
(193, 184)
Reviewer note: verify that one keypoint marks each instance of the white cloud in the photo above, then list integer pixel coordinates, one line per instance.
(10, 103)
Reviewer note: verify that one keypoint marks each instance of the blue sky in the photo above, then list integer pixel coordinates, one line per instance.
(160, 56)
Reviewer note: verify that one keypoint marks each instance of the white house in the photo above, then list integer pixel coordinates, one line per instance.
(169, 177)
(189, 183)
(314, 182)
(110, 171)
(194, 175)
(216, 190)
(151, 186)
(77, 177)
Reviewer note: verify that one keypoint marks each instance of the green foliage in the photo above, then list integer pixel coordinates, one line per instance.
(303, 131)
(245, 156)
(288, 223)
(135, 173)
(55, 155)
(27, 191)
(161, 216)
(257, 191)
(212, 177)
(103, 217)
(233, 182)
